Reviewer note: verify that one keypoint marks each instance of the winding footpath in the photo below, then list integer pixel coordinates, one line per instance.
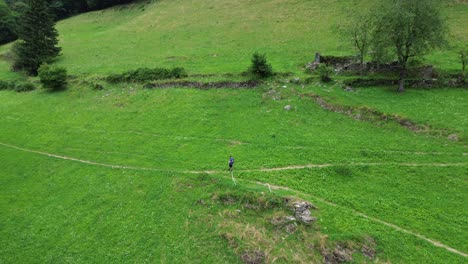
(294, 167)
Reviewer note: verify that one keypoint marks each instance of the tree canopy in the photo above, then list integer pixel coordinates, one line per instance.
(7, 24)
(11, 10)
(37, 37)
(408, 29)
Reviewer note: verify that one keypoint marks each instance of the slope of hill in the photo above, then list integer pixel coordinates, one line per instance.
(132, 172)
(127, 151)
(218, 36)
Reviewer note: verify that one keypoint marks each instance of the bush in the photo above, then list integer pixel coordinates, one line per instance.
(53, 78)
(24, 87)
(6, 85)
(98, 87)
(260, 67)
(147, 74)
(324, 71)
(178, 73)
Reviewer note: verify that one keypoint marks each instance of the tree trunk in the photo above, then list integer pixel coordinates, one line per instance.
(401, 86)
(361, 61)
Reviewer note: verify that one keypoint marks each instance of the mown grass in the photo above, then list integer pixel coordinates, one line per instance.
(178, 130)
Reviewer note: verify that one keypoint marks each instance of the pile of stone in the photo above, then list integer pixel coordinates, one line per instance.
(302, 214)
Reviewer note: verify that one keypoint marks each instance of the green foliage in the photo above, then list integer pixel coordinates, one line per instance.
(100, 4)
(64, 8)
(53, 78)
(463, 60)
(37, 37)
(184, 130)
(6, 85)
(17, 86)
(357, 28)
(108, 34)
(256, 200)
(24, 87)
(343, 171)
(147, 74)
(260, 68)
(178, 73)
(7, 24)
(325, 72)
(408, 29)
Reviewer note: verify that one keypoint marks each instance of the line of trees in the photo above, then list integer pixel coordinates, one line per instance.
(11, 10)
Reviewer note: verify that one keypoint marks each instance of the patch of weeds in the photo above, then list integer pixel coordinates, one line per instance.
(251, 200)
(97, 87)
(325, 72)
(343, 251)
(6, 85)
(24, 87)
(343, 171)
(268, 235)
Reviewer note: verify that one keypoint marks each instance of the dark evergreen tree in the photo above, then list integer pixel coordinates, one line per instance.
(37, 37)
(7, 24)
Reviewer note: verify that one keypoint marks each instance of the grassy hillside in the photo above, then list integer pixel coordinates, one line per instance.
(439, 108)
(133, 174)
(219, 36)
(178, 130)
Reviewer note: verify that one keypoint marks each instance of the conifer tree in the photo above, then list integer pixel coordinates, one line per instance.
(37, 37)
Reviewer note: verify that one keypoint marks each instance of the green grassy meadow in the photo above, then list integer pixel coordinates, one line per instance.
(130, 174)
(439, 108)
(219, 36)
(179, 130)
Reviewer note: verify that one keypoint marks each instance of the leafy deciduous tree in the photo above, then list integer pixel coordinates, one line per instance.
(408, 29)
(357, 27)
(463, 58)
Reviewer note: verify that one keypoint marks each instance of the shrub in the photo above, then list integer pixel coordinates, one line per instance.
(147, 74)
(53, 78)
(24, 87)
(324, 71)
(260, 67)
(6, 85)
(98, 87)
(178, 73)
(343, 171)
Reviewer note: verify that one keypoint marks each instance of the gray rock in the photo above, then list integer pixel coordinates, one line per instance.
(288, 107)
(296, 80)
(302, 212)
(349, 89)
(317, 58)
(453, 137)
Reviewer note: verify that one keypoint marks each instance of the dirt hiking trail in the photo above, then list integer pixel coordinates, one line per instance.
(294, 167)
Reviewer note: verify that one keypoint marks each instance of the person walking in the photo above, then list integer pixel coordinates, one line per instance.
(231, 162)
